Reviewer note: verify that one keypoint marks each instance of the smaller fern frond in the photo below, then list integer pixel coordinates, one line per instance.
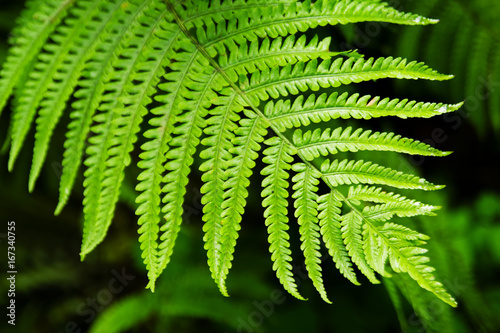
(330, 222)
(359, 172)
(303, 111)
(42, 76)
(313, 144)
(385, 212)
(314, 75)
(268, 53)
(375, 253)
(246, 147)
(153, 183)
(27, 40)
(67, 74)
(270, 19)
(352, 225)
(377, 195)
(219, 130)
(405, 256)
(306, 212)
(115, 127)
(92, 85)
(275, 193)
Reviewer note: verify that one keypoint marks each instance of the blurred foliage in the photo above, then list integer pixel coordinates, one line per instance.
(55, 292)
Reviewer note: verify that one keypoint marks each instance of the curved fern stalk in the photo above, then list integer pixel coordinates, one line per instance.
(275, 193)
(303, 111)
(27, 40)
(92, 85)
(314, 144)
(306, 212)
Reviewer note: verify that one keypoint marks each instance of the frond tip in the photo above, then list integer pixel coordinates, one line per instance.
(236, 81)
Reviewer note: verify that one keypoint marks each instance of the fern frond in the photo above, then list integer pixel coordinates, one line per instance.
(43, 74)
(275, 193)
(224, 77)
(303, 111)
(67, 74)
(246, 147)
(306, 212)
(314, 75)
(385, 212)
(279, 19)
(152, 181)
(375, 254)
(220, 127)
(377, 195)
(27, 40)
(108, 153)
(352, 225)
(258, 55)
(359, 172)
(330, 222)
(92, 87)
(313, 144)
(187, 128)
(405, 257)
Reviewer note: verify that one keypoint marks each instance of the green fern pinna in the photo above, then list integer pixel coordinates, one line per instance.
(238, 81)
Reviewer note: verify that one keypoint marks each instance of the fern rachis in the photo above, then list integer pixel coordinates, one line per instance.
(240, 80)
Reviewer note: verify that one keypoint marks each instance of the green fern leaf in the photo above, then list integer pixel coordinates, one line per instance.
(378, 195)
(306, 212)
(360, 172)
(330, 223)
(154, 158)
(42, 77)
(275, 193)
(91, 92)
(352, 224)
(322, 143)
(246, 145)
(223, 77)
(35, 25)
(313, 76)
(314, 109)
(67, 73)
(375, 253)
